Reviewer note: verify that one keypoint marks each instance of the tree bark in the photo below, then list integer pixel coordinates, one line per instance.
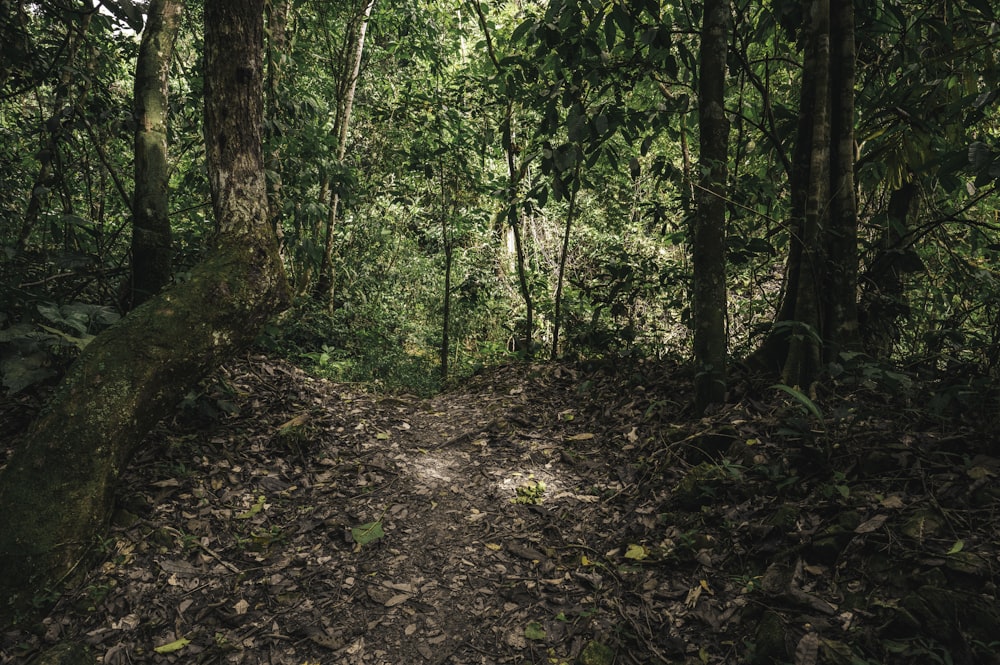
(56, 491)
(840, 300)
(277, 52)
(817, 318)
(709, 238)
(883, 299)
(805, 343)
(151, 237)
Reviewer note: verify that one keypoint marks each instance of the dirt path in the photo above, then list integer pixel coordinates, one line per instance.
(543, 514)
(314, 524)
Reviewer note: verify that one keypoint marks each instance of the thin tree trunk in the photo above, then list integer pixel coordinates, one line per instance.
(514, 220)
(151, 236)
(557, 308)
(448, 242)
(277, 52)
(57, 488)
(352, 71)
(883, 300)
(709, 237)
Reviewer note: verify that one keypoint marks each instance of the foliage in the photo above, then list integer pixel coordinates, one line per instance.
(594, 106)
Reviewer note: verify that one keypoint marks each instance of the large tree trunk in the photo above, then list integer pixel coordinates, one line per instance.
(840, 238)
(883, 298)
(56, 491)
(818, 314)
(709, 237)
(802, 362)
(151, 250)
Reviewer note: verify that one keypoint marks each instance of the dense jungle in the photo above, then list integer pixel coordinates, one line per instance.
(578, 332)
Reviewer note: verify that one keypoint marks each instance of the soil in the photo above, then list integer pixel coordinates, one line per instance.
(556, 513)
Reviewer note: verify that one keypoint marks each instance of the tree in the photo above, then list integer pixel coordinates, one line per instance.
(151, 250)
(708, 239)
(57, 489)
(818, 314)
(347, 84)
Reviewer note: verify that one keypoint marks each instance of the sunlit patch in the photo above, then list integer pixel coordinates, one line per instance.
(437, 466)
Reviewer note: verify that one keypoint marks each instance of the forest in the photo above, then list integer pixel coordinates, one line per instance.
(499, 331)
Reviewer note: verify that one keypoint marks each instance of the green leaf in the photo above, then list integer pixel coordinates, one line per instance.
(367, 533)
(534, 631)
(254, 509)
(126, 11)
(173, 646)
(636, 552)
(801, 398)
(957, 547)
(79, 342)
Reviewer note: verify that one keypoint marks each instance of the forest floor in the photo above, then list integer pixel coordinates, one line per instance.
(554, 513)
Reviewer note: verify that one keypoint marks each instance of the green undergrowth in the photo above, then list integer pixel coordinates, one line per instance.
(386, 354)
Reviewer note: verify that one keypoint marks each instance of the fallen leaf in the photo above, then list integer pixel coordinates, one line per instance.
(534, 631)
(871, 525)
(367, 533)
(892, 501)
(173, 646)
(636, 552)
(254, 509)
(398, 599)
(583, 436)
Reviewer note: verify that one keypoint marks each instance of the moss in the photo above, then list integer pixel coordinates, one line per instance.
(770, 644)
(596, 653)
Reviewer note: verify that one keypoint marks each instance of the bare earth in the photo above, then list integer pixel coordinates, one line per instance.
(540, 514)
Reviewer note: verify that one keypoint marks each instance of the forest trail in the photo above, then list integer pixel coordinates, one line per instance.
(538, 514)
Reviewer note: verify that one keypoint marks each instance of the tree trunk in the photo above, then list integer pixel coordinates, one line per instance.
(56, 491)
(151, 249)
(818, 314)
(277, 52)
(448, 240)
(709, 238)
(802, 363)
(348, 85)
(514, 220)
(883, 299)
(563, 254)
(840, 237)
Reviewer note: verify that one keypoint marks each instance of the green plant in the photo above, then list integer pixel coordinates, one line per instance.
(530, 493)
(41, 346)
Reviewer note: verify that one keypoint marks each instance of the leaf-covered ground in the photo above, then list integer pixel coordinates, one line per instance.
(542, 514)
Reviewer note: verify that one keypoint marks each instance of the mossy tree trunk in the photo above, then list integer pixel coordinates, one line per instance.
(151, 250)
(709, 233)
(56, 491)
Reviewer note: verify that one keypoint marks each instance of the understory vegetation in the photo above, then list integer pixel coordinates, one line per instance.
(516, 181)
